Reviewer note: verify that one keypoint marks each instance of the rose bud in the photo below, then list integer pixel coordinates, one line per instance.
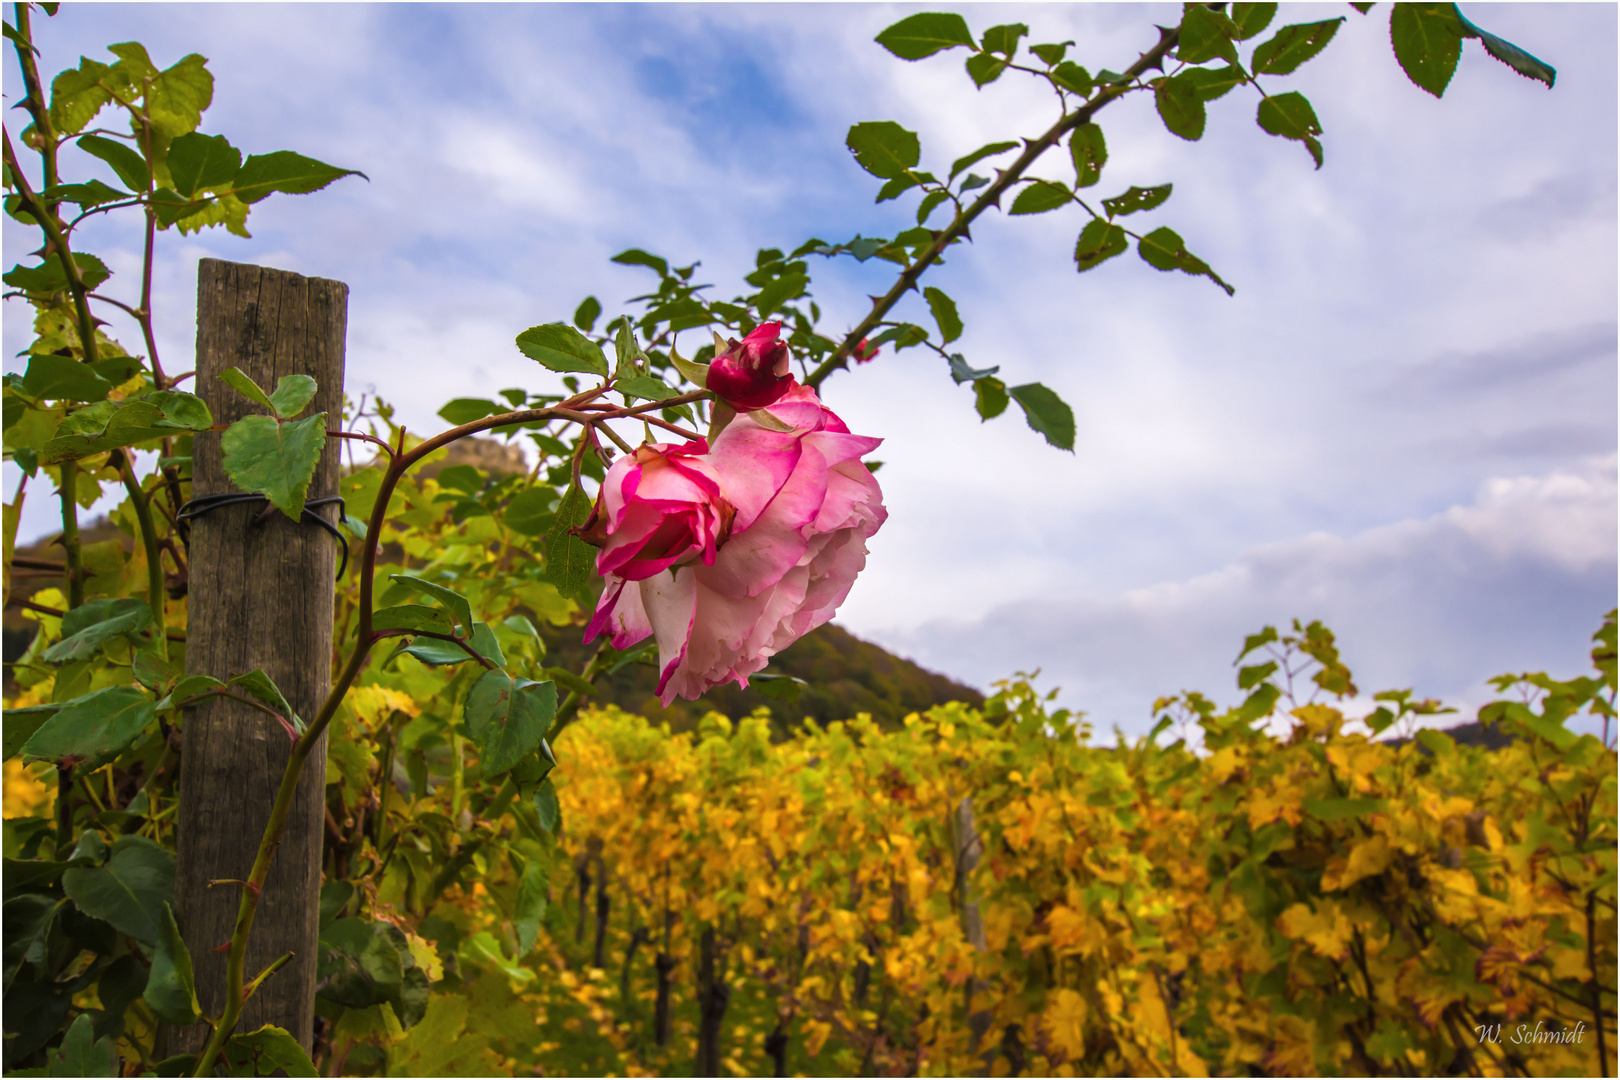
(752, 373)
(865, 352)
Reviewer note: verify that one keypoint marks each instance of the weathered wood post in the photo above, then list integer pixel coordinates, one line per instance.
(260, 596)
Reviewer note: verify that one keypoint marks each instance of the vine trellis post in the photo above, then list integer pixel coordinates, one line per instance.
(261, 596)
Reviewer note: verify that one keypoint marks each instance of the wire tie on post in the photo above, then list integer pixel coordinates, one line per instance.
(204, 504)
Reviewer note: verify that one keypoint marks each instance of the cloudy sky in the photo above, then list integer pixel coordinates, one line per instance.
(1404, 424)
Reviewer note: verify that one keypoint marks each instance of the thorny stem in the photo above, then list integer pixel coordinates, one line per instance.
(154, 563)
(958, 228)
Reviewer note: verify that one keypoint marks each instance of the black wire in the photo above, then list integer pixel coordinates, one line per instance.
(205, 504)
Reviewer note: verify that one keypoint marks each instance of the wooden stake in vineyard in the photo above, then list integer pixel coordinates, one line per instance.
(260, 597)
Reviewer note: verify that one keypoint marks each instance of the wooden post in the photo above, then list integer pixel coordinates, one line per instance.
(260, 596)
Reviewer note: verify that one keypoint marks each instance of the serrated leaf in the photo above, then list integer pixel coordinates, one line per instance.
(778, 292)
(20, 725)
(189, 687)
(570, 561)
(1250, 19)
(413, 617)
(276, 460)
(985, 68)
(129, 891)
(86, 195)
(1137, 199)
(586, 314)
(1163, 249)
(262, 688)
(465, 410)
(643, 386)
(1004, 38)
(1089, 152)
(529, 512)
(1428, 43)
(929, 203)
(94, 729)
(49, 276)
(531, 905)
(1074, 78)
(507, 718)
(896, 187)
(107, 425)
(944, 311)
(446, 653)
(1046, 413)
(547, 806)
(1205, 34)
(242, 383)
(1099, 240)
(1181, 106)
(1212, 83)
(197, 161)
(292, 393)
(925, 34)
(126, 162)
(284, 171)
(1039, 196)
(176, 98)
(76, 96)
(81, 1053)
(987, 150)
(1292, 46)
(88, 627)
(884, 148)
(560, 347)
(989, 397)
(171, 990)
(1509, 53)
(452, 601)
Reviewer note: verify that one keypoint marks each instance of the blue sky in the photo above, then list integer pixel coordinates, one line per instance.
(1404, 422)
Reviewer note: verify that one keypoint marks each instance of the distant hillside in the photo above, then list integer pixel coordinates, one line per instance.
(846, 676)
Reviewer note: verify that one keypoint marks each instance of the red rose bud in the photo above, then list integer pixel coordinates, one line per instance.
(752, 373)
(865, 352)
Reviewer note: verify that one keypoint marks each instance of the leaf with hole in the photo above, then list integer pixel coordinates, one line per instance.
(1292, 46)
(1089, 152)
(1291, 116)
(276, 460)
(1099, 240)
(924, 34)
(1136, 199)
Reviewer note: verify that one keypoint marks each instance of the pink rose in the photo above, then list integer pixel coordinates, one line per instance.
(753, 372)
(729, 555)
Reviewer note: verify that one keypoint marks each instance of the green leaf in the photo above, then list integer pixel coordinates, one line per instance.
(896, 187)
(124, 159)
(263, 689)
(1051, 53)
(62, 378)
(646, 387)
(560, 347)
(1211, 83)
(465, 410)
(570, 561)
(1340, 809)
(1292, 46)
(778, 292)
(1099, 240)
(1004, 39)
(989, 397)
(884, 148)
(586, 314)
(944, 310)
(530, 511)
(285, 171)
(88, 627)
(781, 687)
(197, 161)
(454, 601)
(107, 425)
(1428, 42)
(1039, 196)
(243, 383)
(507, 718)
(129, 891)
(276, 460)
(441, 653)
(20, 725)
(1074, 78)
(1089, 151)
(360, 964)
(637, 257)
(1509, 53)
(925, 34)
(1250, 19)
(1291, 116)
(984, 68)
(92, 730)
(189, 687)
(1163, 249)
(175, 100)
(961, 372)
(1136, 199)
(292, 393)
(413, 617)
(929, 202)
(76, 96)
(1181, 105)
(546, 805)
(49, 276)
(1439, 743)
(81, 1053)
(530, 907)
(170, 988)
(86, 195)
(987, 150)
(1046, 413)
(1255, 674)
(268, 1051)
(1205, 35)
